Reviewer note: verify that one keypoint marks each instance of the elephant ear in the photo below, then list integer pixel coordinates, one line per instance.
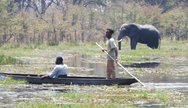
(122, 28)
(134, 30)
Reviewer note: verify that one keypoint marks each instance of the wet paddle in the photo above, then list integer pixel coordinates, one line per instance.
(121, 65)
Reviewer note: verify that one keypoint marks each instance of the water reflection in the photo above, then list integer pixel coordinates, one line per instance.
(178, 86)
(97, 67)
(87, 65)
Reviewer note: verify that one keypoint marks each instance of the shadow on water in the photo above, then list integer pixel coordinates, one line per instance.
(38, 88)
(144, 65)
(150, 105)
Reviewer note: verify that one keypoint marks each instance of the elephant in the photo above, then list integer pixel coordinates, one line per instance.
(145, 34)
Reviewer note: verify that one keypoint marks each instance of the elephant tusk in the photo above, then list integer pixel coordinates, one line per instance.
(120, 40)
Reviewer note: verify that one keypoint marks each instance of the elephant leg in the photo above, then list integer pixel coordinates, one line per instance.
(133, 43)
(153, 44)
(157, 43)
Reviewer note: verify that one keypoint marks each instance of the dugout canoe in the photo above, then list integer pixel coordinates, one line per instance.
(71, 80)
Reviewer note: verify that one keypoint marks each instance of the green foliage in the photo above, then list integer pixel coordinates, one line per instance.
(175, 24)
(111, 97)
(37, 105)
(47, 105)
(143, 53)
(6, 60)
(10, 81)
(167, 49)
(79, 22)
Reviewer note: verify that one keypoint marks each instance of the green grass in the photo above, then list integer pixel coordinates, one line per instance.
(122, 96)
(177, 49)
(10, 81)
(29, 51)
(168, 49)
(7, 60)
(37, 105)
(111, 97)
(51, 105)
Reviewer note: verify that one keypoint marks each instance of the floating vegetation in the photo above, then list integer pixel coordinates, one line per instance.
(10, 81)
(4, 60)
(52, 105)
(110, 97)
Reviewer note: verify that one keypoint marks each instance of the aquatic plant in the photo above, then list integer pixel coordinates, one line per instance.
(10, 81)
(4, 60)
(111, 97)
(53, 105)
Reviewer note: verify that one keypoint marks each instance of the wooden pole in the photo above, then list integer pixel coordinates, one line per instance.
(121, 65)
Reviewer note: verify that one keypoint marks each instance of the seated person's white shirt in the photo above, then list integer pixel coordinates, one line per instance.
(59, 70)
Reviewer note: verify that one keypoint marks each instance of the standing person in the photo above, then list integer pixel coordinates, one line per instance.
(60, 70)
(112, 54)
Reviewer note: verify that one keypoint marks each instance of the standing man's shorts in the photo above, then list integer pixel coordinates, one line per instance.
(110, 69)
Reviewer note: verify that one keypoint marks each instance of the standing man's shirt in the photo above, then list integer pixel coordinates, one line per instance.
(58, 70)
(111, 46)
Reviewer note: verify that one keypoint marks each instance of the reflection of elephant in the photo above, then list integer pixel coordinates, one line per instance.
(145, 34)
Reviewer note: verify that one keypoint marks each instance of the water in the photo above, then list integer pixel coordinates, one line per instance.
(2, 77)
(161, 73)
(86, 65)
(174, 77)
(177, 81)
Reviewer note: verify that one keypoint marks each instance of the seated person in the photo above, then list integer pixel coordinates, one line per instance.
(60, 70)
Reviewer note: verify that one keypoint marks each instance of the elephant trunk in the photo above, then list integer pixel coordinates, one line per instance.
(120, 36)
